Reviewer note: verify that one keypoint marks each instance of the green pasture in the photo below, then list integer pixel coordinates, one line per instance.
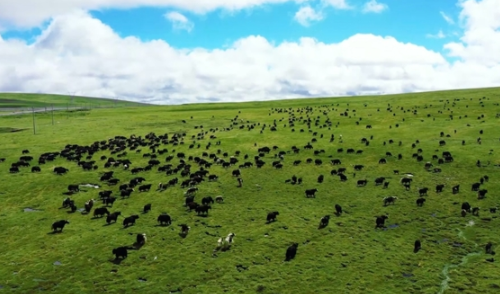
(348, 256)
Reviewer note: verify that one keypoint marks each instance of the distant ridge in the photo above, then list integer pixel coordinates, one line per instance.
(23, 100)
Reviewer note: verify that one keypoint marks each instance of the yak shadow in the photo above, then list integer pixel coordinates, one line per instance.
(160, 225)
(202, 215)
(96, 217)
(71, 211)
(415, 250)
(116, 261)
(320, 227)
(183, 235)
(225, 248)
(54, 232)
(69, 193)
(108, 224)
(136, 246)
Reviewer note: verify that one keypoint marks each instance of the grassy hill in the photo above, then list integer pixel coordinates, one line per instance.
(348, 256)
(21, 100)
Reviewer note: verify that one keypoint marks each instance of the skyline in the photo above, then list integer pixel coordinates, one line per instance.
(201, 52)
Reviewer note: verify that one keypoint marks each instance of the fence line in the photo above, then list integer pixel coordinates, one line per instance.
(48, 112)
(59, 107)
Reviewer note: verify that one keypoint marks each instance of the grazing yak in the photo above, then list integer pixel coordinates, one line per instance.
(112, 217)
(207, 200)
(219, 199)
(100, 211)
(417, 246)
(184, 229)
(423, 191)
(380, 221)
(104, 194)
(191, 190)
(140, 239)
(164, 219)
(311, 193)
(67, 202)
(362, 183)
(146, 208)
(466, 206)
(271, 216)
(109, 200)
(324, 221)
(489, 248)
(130, 220)
(420, 201)
(121, 252)
(481, 193)
(59, 170)
(202, 209)
(225, 243)
(379, 181)
(59, 225)
(291, 252)
(73, 188)
(338, 209)
(145, 188)
(126, 193)
(88, 205)
(390, 199)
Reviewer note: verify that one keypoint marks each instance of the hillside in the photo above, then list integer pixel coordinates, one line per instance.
(24, 100)
(348, 255)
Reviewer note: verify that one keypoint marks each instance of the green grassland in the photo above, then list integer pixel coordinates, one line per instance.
(22, 100)
(348, 256)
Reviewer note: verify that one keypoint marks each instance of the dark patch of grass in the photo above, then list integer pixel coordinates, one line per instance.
(11, 130)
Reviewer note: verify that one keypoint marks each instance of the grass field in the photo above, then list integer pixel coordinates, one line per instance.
(348, 256)
(21, 100)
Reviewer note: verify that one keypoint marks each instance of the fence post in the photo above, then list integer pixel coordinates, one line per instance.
(34, 127)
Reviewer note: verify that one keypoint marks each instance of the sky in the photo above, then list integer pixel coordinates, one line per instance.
(179, 51)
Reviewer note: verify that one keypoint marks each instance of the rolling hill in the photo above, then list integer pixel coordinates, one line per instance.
(24, 100)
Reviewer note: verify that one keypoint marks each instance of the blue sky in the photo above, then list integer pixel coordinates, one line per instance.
(407, 21)
(177, 51)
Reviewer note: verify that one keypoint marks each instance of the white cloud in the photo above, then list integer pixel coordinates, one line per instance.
(337, 4)
(179, 21)
(305, 15)
(480, 42)
(77, 53)
(373, 6)
(439, 35)
(447, 18)
(30, 13)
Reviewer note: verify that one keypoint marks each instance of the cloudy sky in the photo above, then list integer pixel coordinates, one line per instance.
(184, 51)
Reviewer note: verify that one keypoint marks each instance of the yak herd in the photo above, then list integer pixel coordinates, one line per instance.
(192, 168)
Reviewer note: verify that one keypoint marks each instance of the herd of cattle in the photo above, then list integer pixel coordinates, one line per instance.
(193, 170)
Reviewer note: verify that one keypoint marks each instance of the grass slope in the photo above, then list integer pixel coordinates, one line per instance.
(349, 256)
(18, 100)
